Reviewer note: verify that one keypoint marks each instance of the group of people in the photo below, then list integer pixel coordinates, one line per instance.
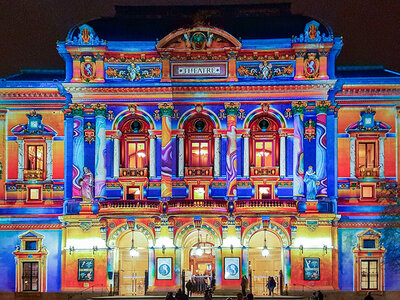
(317, 296)
(200, 284)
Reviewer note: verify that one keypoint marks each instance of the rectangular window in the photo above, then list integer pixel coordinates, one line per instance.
(366, 155)
(368, 191)
(35, 157)
(369, 244)
(34, 194)
(264, 192)
(30, 276)
(136, 155)
(199, 154)
(263, 154)
(369, 274)
(30, 245)
(133, 193)
(199, 192)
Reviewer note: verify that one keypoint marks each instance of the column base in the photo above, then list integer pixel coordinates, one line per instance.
(86, 208)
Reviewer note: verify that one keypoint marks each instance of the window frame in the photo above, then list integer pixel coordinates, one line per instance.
(376, 261)
(23, 277)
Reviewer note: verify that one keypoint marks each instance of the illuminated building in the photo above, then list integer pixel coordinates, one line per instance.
(202, 153)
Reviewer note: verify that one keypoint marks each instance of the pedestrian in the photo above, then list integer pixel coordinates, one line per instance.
(179, 295)
(250, 296)
(271, 285)
(213, 282)
(369, 296)
(169, 296)
(207, 295)
(320, 296)
(239, 296)
(314, 296)
(244, 283)
(189, 287)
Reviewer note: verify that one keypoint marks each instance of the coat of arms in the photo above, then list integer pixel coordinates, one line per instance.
(88, 69)
(311, 66)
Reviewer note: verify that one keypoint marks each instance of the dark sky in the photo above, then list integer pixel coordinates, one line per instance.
(29, 29)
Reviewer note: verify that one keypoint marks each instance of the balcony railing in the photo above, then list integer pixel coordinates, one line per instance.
(136, 207)
(195, 206)
(264, 171)
(369, 172)
(271, 206)
(128, 172)
(199, 171)
(33, 174)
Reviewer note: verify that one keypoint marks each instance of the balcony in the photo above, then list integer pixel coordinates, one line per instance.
(266, 206)
(129, 207)
(137, 172)
(264, 171)
(33, 174)
(369, 172)
(198, 172)
(195, 207)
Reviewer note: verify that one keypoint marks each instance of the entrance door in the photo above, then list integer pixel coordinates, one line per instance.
(199, 259)
(262, 267)
(132, 269)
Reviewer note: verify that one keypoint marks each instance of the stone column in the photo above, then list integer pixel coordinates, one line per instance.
(100, 111)
(299, 65)
(166, 110)
(398, 145)
(381, 157)
(78, 155)
(181, 155)
(246, 154)
(282, 153)
(152, 157)
(21, 159)
(321, 148)
(3, 152)
(217, 153)
(353, 157)
(49, 159)
(117, 153)
(298, 108)
(231, 109)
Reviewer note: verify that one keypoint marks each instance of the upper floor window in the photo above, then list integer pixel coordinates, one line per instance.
(134, 143)
(366, 155)
(35, 157)
(263, 153)
(199, 141)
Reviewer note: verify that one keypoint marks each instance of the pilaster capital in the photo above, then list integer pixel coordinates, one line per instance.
(217, 134)
(3, 114)
(116, 135)
(300, 54)
(76, 109)
(100, 110)
(398, 111)
(322, 106)
(232, 108)
(323, 52)
(166, 109)
(282, 133)
(299, 107)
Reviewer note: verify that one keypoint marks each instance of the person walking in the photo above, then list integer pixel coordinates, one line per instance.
(314, 296)
(189, 287)
(320, 296)
(271, 285)
(244, 283)
(369, 296)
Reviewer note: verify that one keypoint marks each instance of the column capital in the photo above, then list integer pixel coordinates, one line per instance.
(232, 108)
(3, 114)
(300, 54)
(323, 52)
(76, 109)
(116, 135)
(322, 106)
(100, 110)
(166, 109)
(299, 107)
(398, 111)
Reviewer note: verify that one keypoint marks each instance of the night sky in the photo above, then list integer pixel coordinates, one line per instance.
(29, 29)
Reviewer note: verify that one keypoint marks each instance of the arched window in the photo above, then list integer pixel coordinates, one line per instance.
(199, 142)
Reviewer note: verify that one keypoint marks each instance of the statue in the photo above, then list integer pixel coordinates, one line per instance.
(265, 70)
(87, 183)
(310, 178)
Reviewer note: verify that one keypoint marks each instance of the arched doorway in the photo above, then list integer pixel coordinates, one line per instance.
(133, 269)
(198, 258)
(261, 267)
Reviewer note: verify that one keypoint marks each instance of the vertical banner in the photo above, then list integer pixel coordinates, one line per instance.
(321, 148)
(166, 151)
(100, 149)
(298, 159)
(78, 151)
(231, 151)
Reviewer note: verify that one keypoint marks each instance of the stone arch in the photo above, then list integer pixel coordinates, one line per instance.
(116, 234)
(190, 113)
(121, 117)
(187, 228)
(273, 227)
(273, 113)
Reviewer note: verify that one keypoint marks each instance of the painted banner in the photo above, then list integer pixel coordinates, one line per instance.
(321, 161)
(231, 157)
(298, 163)
(166, 158)
(78, 156)
(100, 176)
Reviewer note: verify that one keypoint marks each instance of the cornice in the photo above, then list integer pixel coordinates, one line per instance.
(31, 226)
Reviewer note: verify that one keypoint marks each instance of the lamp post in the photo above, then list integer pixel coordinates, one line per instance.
(199, 251)
(265, 251)
(133, 252)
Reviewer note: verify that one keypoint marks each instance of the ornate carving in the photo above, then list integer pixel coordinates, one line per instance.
(309, 130)
(88, 68)
(166, 109)
(86, 37)
(232, 108)
(312, 34)
(133, 72)
(311, 66)
(265, 70)
(322, 106)
(299, 107)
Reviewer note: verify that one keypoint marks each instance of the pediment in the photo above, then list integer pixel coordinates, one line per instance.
(199, 39)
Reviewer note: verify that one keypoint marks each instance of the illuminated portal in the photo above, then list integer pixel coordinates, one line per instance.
(132, 269)
(198, 255)
(261, 267)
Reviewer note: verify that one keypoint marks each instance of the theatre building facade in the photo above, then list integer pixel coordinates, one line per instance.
(202, 155)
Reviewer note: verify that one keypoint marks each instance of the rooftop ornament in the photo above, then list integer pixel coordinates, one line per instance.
(312, 35)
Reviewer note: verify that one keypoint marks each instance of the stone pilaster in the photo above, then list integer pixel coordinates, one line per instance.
(298, 108)
(49, 159)
(100, 111)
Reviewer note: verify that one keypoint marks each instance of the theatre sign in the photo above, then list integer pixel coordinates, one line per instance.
(198, 70)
